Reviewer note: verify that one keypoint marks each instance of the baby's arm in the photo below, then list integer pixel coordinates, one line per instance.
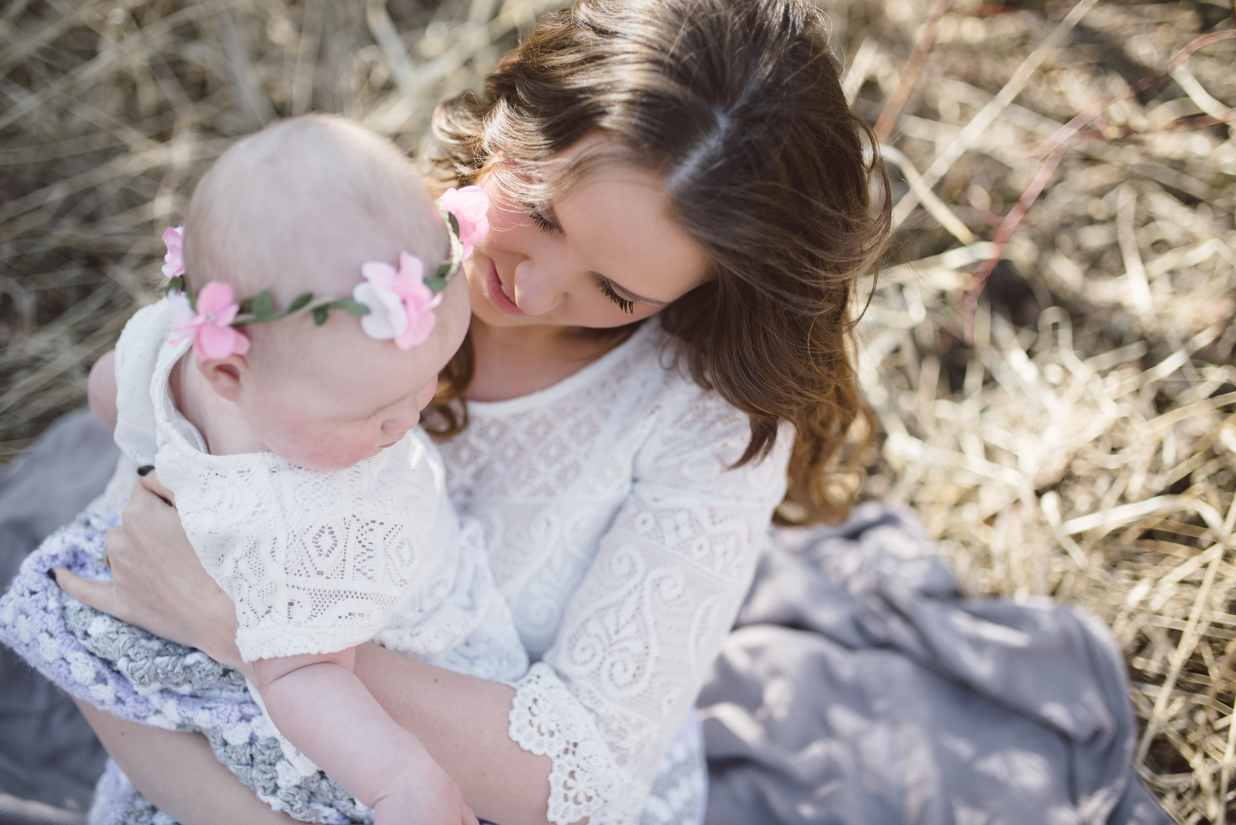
(317, 702)
(101, 390)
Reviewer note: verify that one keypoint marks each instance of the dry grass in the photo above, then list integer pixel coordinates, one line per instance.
(1083, 445)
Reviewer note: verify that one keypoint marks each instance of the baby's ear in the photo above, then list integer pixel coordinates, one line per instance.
(225, 375)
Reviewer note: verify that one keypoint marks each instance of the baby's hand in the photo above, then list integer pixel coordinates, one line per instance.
(424, 794)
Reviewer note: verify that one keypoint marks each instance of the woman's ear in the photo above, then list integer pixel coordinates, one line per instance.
(225, 375)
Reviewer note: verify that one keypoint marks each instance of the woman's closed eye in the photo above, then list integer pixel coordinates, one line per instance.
(607, 289)
(543, 223)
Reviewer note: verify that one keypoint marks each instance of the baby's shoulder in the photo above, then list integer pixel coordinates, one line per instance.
(148, 328)
(401, 487)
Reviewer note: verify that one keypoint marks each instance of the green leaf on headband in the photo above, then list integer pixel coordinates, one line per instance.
(454, 222)
(320, 315)
(176, 284)
(263, 305)
(354, 308)
(299, 302)
(444, 269)
(436, 283)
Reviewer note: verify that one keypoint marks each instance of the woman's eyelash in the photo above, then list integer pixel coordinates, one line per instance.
(543, 223)
(607, 289)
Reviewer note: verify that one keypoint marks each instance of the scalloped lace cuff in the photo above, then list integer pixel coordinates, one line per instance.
(547, 719)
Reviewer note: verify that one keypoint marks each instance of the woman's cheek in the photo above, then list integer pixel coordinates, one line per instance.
(609, 315)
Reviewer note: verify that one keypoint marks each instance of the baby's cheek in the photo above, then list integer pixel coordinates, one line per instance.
(327, 449)
(341, 452)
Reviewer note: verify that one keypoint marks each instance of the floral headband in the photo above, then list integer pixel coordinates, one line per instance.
(392, 304)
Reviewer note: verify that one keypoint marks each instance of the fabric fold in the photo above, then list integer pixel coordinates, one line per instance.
(860, 686)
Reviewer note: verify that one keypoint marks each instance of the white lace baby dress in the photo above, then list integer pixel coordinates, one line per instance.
(317, 562)
(624, 541)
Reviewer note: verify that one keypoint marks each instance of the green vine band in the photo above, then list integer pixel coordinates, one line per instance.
(261, 307)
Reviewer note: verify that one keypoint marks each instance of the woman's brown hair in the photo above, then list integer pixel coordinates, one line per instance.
(737, 106)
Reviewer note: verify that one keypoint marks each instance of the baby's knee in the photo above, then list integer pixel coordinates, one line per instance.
(101, 390)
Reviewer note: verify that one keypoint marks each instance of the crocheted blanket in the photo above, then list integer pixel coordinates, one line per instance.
(143, 678)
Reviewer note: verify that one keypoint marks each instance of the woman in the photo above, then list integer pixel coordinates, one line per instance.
(690, 160)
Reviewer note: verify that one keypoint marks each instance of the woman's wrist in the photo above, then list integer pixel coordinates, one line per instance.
(221, 646)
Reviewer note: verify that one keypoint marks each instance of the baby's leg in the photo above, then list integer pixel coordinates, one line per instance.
(101, 390)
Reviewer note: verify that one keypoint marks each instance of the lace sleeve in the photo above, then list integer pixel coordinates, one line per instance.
(642, 630)
(314, 561)
(136, 354)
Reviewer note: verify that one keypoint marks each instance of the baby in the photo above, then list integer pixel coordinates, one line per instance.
(284, 426)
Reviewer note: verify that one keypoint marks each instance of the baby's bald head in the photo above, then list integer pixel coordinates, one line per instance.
(299, 206)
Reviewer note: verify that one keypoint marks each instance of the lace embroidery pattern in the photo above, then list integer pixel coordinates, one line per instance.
(582, 781)
(316, 561)
(623, 544)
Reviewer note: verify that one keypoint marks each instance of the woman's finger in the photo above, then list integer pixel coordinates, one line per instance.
(99, 595)
(150, 481)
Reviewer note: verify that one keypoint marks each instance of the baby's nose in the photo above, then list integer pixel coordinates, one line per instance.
(401, 423)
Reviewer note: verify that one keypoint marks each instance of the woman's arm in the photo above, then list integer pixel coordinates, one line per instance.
(179, 774)
(322, 707)
(462, 721)
(640, 632)
(160, 586)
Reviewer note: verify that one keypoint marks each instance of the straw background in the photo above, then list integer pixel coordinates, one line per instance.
(1066, 429)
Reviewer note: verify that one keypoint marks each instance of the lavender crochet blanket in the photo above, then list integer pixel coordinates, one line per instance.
(146, 679)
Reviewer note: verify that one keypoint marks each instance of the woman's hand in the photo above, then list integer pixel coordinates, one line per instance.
(158, 584)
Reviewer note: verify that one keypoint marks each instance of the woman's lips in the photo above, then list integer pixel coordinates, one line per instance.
(493, 288)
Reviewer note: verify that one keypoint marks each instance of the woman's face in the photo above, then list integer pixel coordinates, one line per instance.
(606, 254)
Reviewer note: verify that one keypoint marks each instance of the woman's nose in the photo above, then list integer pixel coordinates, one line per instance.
(536, 290)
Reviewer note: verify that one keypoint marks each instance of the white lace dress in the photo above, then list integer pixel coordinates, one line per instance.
(318, 562)
(624, 546)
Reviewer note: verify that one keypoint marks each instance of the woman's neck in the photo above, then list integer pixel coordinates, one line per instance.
(515, 361)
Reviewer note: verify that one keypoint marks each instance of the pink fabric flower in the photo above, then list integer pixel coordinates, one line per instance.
(174, 260)
(211, 328)
(469, 206)
(400, 305)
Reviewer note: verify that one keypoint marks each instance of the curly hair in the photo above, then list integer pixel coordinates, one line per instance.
(736, 106)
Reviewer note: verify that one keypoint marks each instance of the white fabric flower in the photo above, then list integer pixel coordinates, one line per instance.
(400, 305)
(387, 317)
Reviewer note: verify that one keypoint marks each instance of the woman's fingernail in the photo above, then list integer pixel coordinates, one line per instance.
(144, 469)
